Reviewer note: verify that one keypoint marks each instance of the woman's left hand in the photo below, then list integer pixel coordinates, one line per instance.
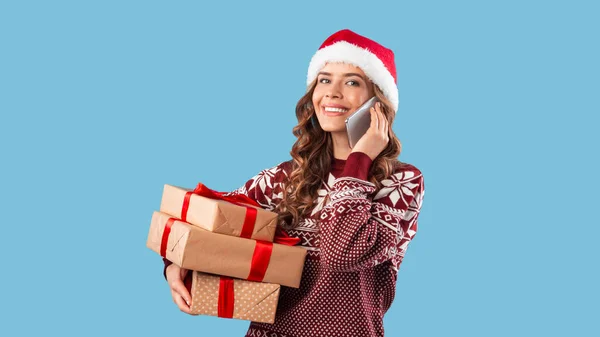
(377, 137)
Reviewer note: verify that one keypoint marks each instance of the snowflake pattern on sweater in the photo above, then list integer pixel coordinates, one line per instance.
(356, 240)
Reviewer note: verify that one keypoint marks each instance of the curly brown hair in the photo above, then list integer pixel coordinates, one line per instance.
(312, 156)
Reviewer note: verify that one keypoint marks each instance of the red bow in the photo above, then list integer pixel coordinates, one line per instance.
(236, 199)
(281, 236)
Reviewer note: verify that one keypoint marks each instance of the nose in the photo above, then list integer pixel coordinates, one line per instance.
(333, 91)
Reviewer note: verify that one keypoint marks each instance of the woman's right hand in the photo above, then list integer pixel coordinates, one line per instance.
(375, 140)
(181, 296)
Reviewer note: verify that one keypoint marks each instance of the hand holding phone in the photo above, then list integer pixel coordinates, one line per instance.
(377, 136)
(359, 122)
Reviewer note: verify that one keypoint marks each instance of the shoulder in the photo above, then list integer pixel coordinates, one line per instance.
(403, 187)
(407, 171)
(266, 186)
(286, 167)
(276, 173)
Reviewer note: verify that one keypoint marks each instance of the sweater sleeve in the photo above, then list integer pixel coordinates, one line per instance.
(360, 230)
(265, 188)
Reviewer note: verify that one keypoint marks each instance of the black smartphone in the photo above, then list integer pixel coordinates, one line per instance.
(359, 122)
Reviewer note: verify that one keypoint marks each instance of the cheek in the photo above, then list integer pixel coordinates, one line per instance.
(360, 97)
(316, 99)
(356, 99)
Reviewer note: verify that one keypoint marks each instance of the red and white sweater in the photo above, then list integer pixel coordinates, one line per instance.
(355, 243)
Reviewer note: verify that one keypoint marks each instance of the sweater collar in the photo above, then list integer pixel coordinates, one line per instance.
(337, 164)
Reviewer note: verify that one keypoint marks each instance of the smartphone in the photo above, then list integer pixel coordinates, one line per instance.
(359, 122)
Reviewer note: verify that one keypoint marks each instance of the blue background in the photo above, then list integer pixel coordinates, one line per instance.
(103, 102)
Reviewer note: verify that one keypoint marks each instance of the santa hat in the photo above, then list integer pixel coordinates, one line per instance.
(375, 60)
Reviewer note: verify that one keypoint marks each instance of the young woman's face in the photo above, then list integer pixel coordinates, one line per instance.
(341, 89)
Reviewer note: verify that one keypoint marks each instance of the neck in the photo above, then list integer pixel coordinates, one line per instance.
(341, 149)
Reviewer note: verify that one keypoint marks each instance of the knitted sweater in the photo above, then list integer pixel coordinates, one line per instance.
(355, 241)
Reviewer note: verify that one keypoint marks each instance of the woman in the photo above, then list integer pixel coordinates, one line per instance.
(355, 209)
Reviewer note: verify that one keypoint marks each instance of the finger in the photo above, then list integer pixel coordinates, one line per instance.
(178, 287)
(386, 124)
(374, 119)
(382, 120)
(181, 303)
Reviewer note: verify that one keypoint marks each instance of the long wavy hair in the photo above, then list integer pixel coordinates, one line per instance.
(312, 156)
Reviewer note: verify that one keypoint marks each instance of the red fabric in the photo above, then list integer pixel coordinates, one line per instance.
(349, 277)
(361, 169)
(260, 260)
(282, 238)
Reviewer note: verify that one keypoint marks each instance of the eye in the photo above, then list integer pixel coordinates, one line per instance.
(324, 80)
(353, 83)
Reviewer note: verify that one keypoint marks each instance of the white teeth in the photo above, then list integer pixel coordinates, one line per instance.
(329, 109)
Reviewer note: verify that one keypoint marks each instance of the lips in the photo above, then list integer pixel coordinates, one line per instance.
(334, 110)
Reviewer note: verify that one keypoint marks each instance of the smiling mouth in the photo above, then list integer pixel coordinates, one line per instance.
(335, 110)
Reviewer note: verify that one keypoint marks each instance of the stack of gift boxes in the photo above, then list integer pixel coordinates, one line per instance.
(237, 256)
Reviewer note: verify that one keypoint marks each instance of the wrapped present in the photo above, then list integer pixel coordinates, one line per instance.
(195, 248)
(235, 215)
(227, 297)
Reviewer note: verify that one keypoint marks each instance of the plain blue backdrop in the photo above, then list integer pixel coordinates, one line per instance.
(103, 102)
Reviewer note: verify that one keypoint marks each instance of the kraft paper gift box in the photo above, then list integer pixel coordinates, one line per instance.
(195, 248)
(219, 216)
(228, 297)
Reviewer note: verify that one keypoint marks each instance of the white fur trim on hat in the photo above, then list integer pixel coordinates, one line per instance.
(370, 64)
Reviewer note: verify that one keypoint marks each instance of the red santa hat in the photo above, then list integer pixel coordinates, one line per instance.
(375, 60)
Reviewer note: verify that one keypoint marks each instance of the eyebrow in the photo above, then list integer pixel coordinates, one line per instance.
(345, 75)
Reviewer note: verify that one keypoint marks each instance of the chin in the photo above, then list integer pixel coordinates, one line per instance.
(333, 125)
(333, 128)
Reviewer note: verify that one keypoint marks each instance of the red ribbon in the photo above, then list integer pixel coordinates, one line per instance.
(237, 199)
(282, 238)
(226, 297)
(260, 260)
(226, 300)
(165, 237)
